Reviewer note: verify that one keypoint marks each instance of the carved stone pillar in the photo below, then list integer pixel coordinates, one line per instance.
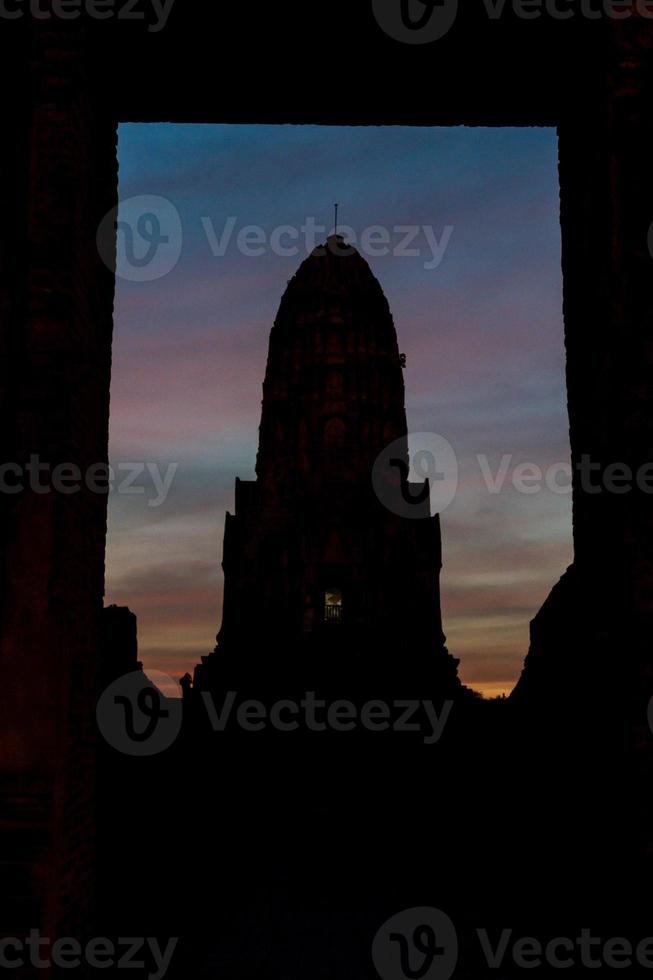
(56, 307)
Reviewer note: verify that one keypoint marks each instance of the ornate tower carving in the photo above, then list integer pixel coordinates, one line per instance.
(313, 560)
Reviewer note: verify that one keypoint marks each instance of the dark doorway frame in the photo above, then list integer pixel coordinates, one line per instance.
(73, 82)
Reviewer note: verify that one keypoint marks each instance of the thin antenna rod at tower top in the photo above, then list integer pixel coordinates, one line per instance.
(335, 227)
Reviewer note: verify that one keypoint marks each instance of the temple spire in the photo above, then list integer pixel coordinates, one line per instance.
(315, 557)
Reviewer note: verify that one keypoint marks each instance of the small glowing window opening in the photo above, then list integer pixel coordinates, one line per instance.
(333, 606)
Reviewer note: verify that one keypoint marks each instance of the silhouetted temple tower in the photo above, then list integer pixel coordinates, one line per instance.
(313, 560)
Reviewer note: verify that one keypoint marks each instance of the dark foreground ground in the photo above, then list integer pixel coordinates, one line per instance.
(280, 855)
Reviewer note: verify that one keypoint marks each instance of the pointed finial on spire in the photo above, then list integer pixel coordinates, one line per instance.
(335, 226)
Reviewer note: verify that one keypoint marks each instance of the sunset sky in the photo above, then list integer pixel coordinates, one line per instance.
(482, 332)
